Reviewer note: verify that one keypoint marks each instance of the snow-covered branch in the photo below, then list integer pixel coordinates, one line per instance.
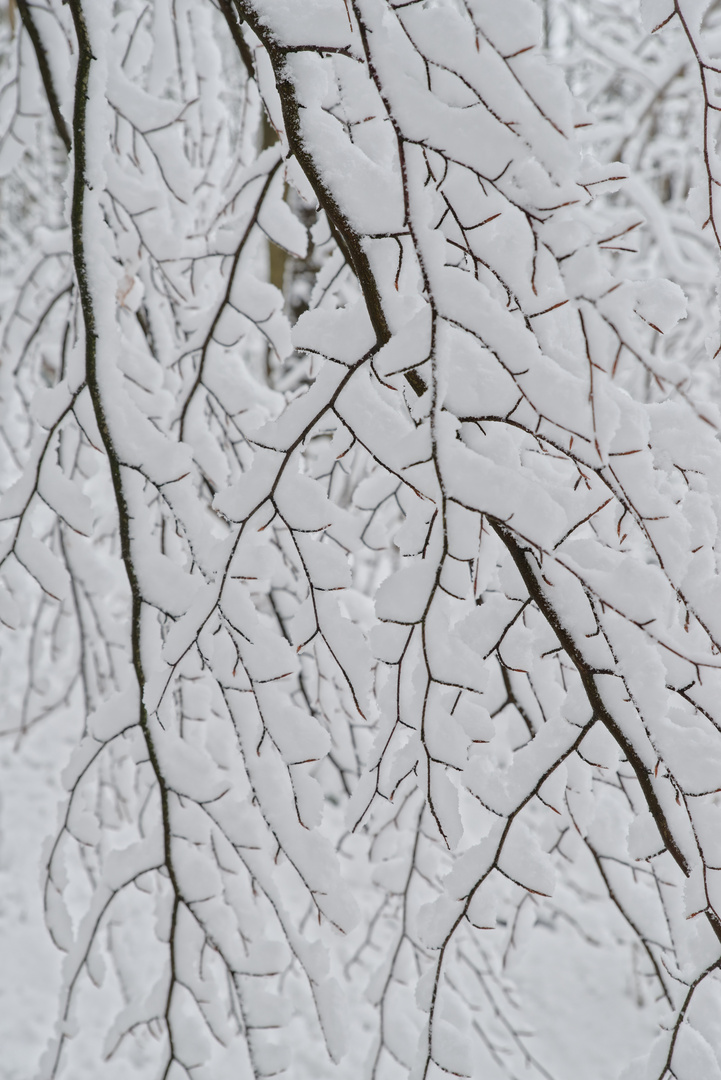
(361, 532)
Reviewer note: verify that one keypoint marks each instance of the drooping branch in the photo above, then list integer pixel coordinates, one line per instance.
(41, 54)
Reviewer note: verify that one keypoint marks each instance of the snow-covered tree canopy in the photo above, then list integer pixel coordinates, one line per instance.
(360, 538)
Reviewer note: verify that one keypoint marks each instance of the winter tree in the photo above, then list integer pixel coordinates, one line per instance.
(360, 539)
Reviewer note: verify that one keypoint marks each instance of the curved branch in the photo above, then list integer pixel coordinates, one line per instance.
(45, 73)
